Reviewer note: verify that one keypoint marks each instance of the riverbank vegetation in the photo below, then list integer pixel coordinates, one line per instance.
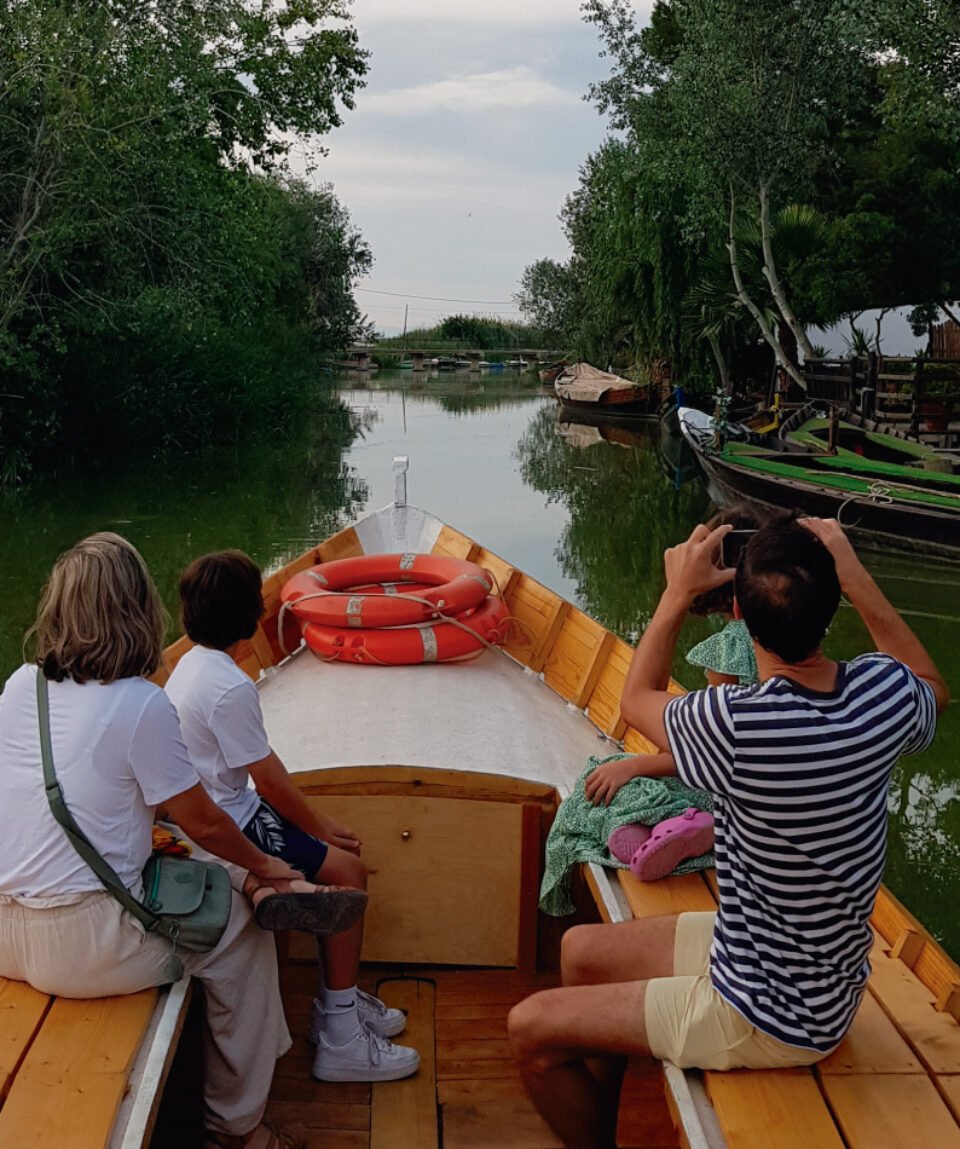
(165, 276)
(772, 168)
(470, 332)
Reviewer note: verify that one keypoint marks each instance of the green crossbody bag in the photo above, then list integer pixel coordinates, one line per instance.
(186, 901)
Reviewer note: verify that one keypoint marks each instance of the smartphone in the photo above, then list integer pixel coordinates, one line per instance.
(731, 547)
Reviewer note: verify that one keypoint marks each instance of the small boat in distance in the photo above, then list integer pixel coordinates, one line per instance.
(582, 388)
(549, 374)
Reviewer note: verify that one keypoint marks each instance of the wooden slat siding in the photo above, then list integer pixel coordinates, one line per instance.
(452, 544)
(302, 562)
(575, 657)
(404, 1113)
(907, 947)
(343, 545)
(539, 613)
(592, 886)
(503, 573)
(262, 648)
(950, 1091)
(680, 895)
(484, 1114)
(873, 1045)
(171, 656)
(75, 1073)
(426, 783)
(603, 705)
(270, 591)
(332, 1117)
(531, 852)
(891, 1111)
(948, 1000)
(934, 1036)
(22, 1010)
(929, 962)
(775, 1109)
(635, 743)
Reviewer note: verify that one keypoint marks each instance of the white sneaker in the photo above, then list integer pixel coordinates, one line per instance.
(373, 1012)
(366, 1057)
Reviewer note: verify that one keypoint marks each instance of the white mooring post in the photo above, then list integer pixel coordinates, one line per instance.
(400, 466)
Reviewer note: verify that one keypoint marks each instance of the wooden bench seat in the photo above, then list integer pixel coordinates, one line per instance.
(893, 1083)
(84, 1073)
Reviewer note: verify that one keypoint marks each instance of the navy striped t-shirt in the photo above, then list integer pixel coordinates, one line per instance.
(800, 780)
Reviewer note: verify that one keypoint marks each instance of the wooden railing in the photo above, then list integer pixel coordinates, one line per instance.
(889, 388)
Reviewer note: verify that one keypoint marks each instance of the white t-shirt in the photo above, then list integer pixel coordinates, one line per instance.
(222, 725)
(118, 754)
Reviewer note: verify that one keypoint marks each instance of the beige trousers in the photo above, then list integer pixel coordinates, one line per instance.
(91, 947)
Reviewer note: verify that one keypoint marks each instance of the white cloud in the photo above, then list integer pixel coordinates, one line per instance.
(488, 12)
(520, 87)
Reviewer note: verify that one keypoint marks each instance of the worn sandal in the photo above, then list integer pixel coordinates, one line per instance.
(624, 842)
(688, 835)
(322, 913)
(289, 1137)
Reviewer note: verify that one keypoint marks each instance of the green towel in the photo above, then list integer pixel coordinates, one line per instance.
(580, 831)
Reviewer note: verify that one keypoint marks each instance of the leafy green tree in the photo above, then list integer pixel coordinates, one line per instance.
(776, 166)
(549, 298)
(146, 202)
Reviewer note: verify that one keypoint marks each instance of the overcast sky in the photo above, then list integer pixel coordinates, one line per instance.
(462, 147)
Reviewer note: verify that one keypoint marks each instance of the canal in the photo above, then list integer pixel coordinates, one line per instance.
(587, 513)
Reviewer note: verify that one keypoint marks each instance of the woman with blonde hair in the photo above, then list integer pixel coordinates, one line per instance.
(119, 755)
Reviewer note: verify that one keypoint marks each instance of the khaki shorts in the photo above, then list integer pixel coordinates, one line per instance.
(692, 1026)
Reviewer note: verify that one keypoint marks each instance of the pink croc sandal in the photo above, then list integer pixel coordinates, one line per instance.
(687, 836)
(624, 842)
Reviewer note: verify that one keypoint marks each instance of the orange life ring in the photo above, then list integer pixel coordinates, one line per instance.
(407, 645)
(322, 594)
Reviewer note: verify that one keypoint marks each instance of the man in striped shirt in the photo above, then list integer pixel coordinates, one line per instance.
(798, 767)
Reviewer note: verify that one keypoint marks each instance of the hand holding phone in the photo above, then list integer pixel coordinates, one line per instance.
(731, 547)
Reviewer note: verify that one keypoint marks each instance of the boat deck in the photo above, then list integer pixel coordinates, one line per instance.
(467, 1094)
(480, 717)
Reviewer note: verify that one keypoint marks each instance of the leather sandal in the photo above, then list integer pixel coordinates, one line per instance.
(323, 913)
(290, 1137)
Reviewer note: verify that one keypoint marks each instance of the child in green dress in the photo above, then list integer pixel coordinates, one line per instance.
(727, 657)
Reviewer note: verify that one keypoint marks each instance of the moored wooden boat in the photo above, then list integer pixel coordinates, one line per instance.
(583, 389)
(432, 765)
(890, 492)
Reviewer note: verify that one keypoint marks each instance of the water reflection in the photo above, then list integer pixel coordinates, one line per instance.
(587, 512)
(622, 514)
(271, 498)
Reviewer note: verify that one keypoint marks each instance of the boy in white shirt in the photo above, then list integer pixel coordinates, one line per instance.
(222, 725)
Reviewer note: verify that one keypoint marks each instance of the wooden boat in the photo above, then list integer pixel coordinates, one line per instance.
(548, 375)
(581, 388)
(892, 492)
(431, 765)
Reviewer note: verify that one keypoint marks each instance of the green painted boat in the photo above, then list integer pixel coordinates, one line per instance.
(895, 493)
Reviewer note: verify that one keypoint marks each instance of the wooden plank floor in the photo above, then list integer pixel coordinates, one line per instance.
(480, 1100)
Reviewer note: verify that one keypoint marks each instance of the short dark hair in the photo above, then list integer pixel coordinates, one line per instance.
(221, 599)
(787, 589)
(720, 599)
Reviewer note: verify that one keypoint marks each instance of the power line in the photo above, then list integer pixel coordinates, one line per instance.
(439, 298)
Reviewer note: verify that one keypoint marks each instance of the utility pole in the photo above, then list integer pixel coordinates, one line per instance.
(406, 312)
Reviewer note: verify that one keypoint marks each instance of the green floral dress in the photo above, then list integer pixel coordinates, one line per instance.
(729, 651)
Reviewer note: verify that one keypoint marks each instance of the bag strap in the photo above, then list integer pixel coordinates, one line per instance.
(58, 807)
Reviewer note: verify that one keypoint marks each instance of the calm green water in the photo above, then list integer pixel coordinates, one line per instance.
(588, 517)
